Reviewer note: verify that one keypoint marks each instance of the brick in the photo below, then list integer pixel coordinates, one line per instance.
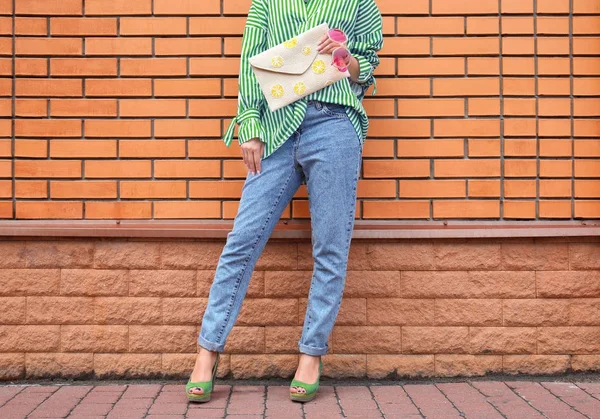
(464, 7)
(376, 189)
(31, 107)
(29, 338)
(431, 66)
(153, 26)
(556, 148)
(29, 26)
(432, 189)
(183, 311)
(126, 365)
(42, 7)
(117, 7)
(118, 169)
(535, 312)
(267, 312)
(520, 210)
(471, 209)
(166, 283)
(560, 340)
(467, 365)
(466, 127)
(396, 168)
(555, 168)
(484, 107)
(31, 148)
(190, 255)
(84, 282)
(127, 310)
(12, 366)
(98, 128)
(535, 364)
(430, 25)
(193, 210)
(83, 67)
(520, 148)
(583, 312)
(88, 26)
(482, 25)
(471, 312)
(186, 7)
(252, 366)
(153, 148)
(129, 255)
(382, 366)
(585, 363)
(435, 340)
(59, 310)
(83, 149)
(483, 148)
(118, 210)
(152, 108)
(49, 210)
(554, 209)
(400, 312)
(48, 128)
(397, 87)
(471, 284)
(119, 46)
(584, 256)
(396, 210)
(534, 256)
(503, 340)
(54, 365)
(94, 338)
(153, 189)
(162, 338)
(465, 46)
(367, 339)
(153, 67)
(50, 168)
(14, 310)
(118, 87)
(186, 87)
(482, 66)
(49, 46)
(83, 189)
(520, 168)
(277, 339)
(177, 128)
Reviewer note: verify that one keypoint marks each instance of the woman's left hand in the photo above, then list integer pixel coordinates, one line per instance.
(326, 46)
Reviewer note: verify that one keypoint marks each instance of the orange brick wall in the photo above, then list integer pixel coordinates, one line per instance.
(411, 308)
(486, 109)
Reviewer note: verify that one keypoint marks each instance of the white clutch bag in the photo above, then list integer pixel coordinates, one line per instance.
(295, 69)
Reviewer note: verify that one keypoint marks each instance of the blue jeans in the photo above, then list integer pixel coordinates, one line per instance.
(325, 154)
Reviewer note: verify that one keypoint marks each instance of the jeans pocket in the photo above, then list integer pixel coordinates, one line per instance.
(335, 110)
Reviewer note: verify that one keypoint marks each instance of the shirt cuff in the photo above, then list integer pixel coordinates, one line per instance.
(365, 68)
(249, 128)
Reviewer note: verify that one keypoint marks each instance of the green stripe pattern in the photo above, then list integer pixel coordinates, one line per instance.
(271, 22)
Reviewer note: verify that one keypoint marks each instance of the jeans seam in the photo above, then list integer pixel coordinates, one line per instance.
(251, 253)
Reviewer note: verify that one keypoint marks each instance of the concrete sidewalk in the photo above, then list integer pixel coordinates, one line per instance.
(471, 399)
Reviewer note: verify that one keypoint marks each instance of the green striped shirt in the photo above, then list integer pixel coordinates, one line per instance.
(271, 22)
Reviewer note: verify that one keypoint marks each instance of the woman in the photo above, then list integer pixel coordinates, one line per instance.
(316, 141)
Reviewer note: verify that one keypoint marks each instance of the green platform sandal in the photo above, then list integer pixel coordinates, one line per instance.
(311, 389)
(206, 386)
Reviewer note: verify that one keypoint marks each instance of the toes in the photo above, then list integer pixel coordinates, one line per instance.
(196, 390)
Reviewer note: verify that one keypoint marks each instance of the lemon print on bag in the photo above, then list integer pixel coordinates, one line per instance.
(299, 88)
(318, 67)
(276, 61)
(291, 43)
(306, 50)
(329, 83)
(277, 91)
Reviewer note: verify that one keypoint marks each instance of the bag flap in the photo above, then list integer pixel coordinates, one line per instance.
(293, 56)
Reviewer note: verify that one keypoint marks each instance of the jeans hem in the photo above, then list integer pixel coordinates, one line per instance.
(210, 346)
(311, 350)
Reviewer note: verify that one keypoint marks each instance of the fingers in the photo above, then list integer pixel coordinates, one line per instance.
(252, 152)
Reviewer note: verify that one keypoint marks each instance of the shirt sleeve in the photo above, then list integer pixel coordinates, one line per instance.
(250, 96)
(367, 39)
